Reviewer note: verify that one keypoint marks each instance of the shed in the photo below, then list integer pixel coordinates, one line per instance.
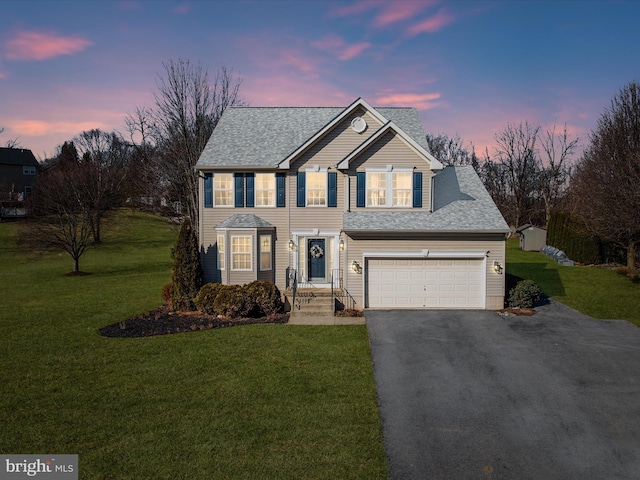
(532, 238)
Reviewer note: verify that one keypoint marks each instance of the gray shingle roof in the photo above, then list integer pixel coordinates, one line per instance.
(244, 221)
(461, 204)
(264, 136)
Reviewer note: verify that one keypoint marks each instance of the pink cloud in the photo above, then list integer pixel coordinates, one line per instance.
(424, 101)
(432, 24)
(41, 46)
(398, 11)
(337, 46)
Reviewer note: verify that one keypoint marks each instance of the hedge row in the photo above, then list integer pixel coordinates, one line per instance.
(566, 234)
(255, 299)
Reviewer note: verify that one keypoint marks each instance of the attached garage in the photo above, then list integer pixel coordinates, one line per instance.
(443, 282)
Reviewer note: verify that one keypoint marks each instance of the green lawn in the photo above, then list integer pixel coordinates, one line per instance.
(257, 401)
(598, 292)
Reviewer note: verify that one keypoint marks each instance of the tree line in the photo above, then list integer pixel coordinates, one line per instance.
(150, 164)
(534, 173)
(531, 173)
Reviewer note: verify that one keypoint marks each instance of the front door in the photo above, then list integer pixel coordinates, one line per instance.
(316, 259)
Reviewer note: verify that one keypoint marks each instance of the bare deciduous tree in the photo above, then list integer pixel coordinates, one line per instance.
(451, 151)
(555, 168)
(516, 151)
(60, 221)
(104, 159)
(187, 110)
(605, 185)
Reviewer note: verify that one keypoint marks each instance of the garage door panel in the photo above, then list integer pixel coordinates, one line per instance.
(425, 283)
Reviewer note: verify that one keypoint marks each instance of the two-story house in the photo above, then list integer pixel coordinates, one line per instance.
(348, 198)
(18, 172)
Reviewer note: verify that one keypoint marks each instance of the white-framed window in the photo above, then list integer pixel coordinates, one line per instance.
(265, 187)
(223, 189)
(316, 189)
(221, 252)
(265, 252)
(28, 170)
(241, 252)
(401, 189)
(377, 189)
(389, 188)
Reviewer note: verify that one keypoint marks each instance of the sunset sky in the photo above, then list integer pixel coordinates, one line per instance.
(469, 67)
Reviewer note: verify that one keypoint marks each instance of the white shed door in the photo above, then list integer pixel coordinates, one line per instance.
(425, 283)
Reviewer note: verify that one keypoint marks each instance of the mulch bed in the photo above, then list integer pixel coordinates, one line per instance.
(163, 321)
(517, 311)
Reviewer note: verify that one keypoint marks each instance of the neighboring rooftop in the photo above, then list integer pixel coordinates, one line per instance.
(461, 204)
(17, 156)
(264, 136)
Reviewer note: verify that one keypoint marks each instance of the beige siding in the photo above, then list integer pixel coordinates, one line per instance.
(354, 249)
(391, 150)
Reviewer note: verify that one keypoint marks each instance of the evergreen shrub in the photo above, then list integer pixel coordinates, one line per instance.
(524, 295)
(266, 297)
(231, 302)
(206, 297)
(187, 272)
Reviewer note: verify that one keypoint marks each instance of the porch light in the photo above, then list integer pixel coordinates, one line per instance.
(341, 244)
(292, 245)
(355, 266)
(497, 267)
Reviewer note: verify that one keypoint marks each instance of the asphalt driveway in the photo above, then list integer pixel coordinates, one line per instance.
(474, 395)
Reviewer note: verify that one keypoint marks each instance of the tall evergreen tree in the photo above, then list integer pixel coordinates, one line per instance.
(187, 272)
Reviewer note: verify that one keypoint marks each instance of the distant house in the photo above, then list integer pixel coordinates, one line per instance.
(347, 199)
(532, 238)
(18, 173)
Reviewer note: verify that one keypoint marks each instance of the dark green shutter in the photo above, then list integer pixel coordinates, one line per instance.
(239, 189)
(250, 195)
(361, 189)
(208, 190)
(417, 189)
(281, 192)
(301, 192)
(332, 180)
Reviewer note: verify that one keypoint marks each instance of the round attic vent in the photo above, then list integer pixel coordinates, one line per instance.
(358, 124)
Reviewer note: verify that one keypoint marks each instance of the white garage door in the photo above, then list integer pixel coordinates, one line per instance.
(422, 283)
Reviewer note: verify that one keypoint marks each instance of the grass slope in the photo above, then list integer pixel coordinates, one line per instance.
(259, 401)
(597, 292)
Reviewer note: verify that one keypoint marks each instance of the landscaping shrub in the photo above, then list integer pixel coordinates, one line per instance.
(167, 291)
(187, 272)
(266, 297)
(525, 294)
(231, 301)
(206, 297)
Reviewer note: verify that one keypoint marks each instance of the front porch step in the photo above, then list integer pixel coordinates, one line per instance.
(311, 303)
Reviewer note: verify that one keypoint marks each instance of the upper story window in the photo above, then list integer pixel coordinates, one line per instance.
(391, 187)
(316, 189)
(265, 187)
(223, 189)
(28, 170)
